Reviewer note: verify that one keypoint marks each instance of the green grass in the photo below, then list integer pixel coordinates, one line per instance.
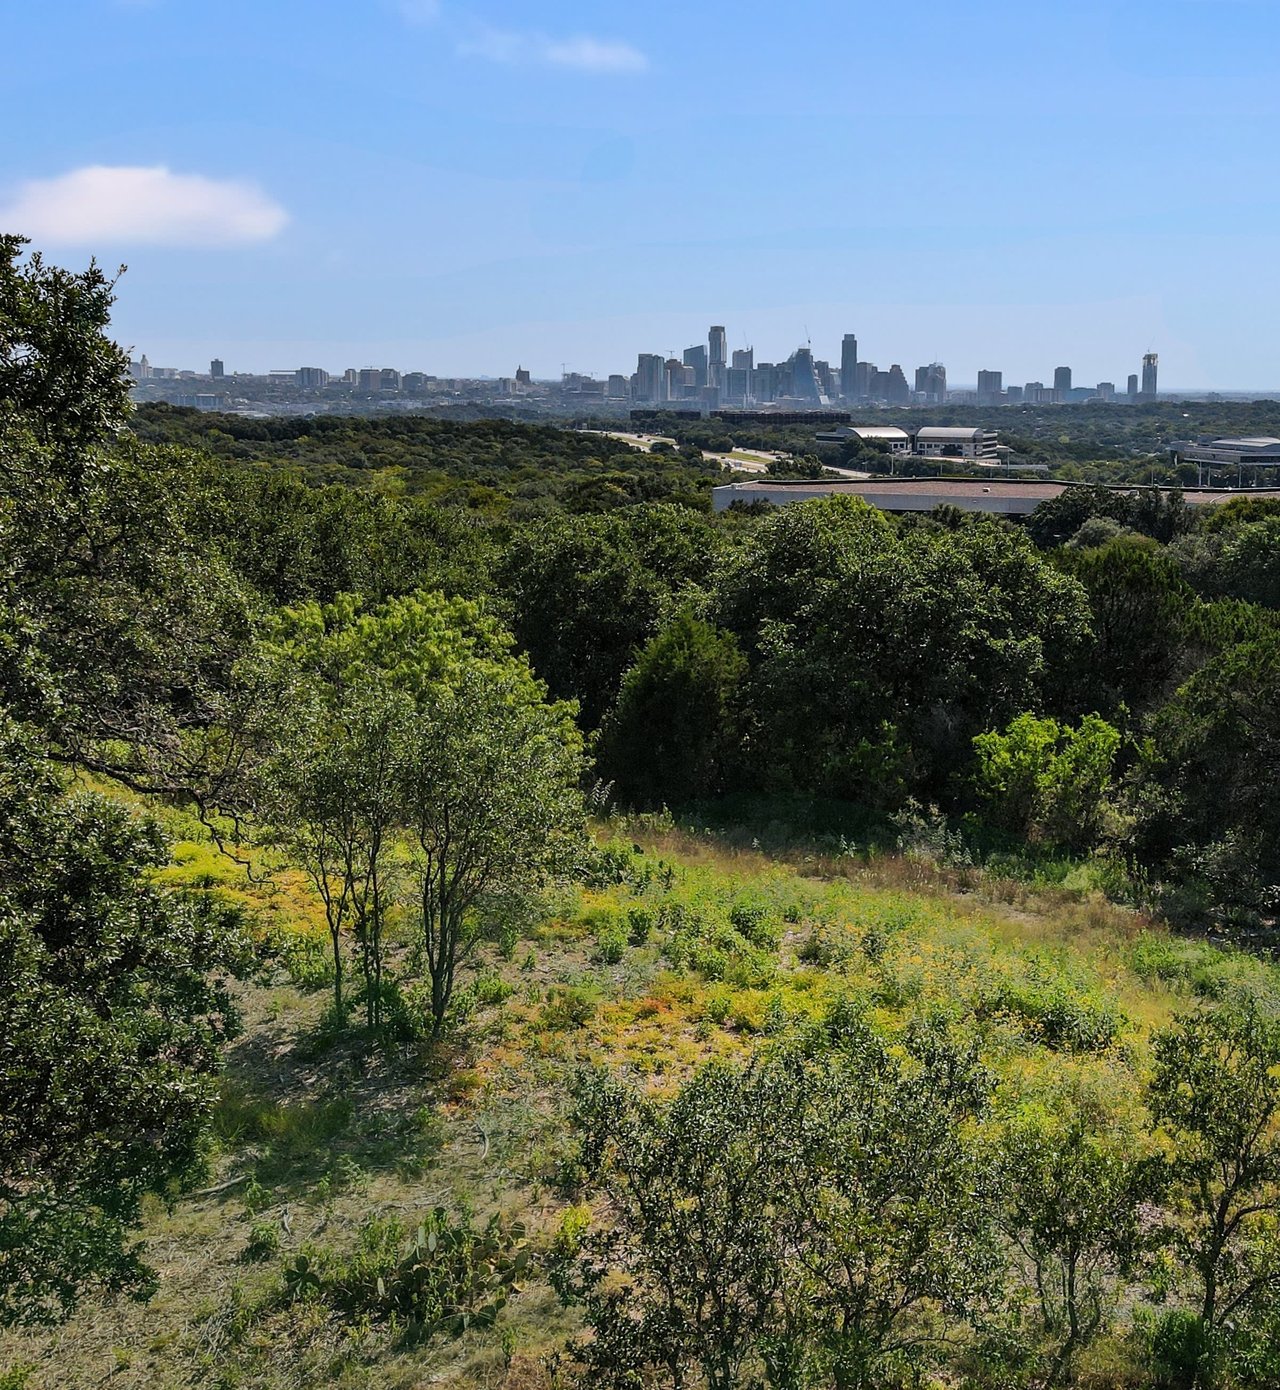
(687, 950)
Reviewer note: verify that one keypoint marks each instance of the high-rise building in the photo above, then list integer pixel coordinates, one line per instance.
(931, 382)
(674, 378)
(650, 377)
(390, 379)
(765, 382)
(1106, 391)
(717, 354)
(737, 386)
(1013, 395)
(1062, 382)
(696, 357)
(216, 370)
(744, 359)
(311, 378)
(1133, 387)
(863, 374)
(805, 382)
(617, 388)
(1149, 364)
(897, 391)
(990, 387)
(523, 377)
(849, 367)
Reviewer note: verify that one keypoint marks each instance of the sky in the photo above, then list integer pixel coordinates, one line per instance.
(464, 186)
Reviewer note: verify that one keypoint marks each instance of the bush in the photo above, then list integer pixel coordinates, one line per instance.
(568, 1007)
(611, 943)
(263, 1243)
(1050, 1012)
(1179, 1344)
(454, 1275)
(1046, 780)
(639, 925)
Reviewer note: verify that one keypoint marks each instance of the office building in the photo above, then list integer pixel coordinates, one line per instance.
(931, 383)
(737, 386)
(1062, 382)
(765, 379)
(617, 388)
(990, 388)
(849, 367)
(1149, 364)
(696, 357)
(937, 441)
(680, 380)
(1106, 391)
(744, 359)
(216, 370)
(1133, 387)
(1013, 395)
(650, 378)
(717, 355)
(863, 375)
(897, 391)
(311, 378)
(805, 383)
(1258, 452)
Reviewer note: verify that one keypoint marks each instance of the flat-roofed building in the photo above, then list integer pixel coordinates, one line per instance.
(1254, 451)
(947, 441)
(997, 497)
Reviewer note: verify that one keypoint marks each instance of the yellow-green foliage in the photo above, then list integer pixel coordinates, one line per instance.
(679, 951)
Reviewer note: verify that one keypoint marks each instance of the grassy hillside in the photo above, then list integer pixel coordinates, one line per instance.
(684, 949)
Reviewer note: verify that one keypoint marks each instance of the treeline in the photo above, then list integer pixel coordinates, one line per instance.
(831, 652)
(490, 466)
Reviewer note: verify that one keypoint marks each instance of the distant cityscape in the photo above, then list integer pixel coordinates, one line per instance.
(705, 377)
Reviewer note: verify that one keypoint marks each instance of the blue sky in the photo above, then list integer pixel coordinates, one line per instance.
(458, 187)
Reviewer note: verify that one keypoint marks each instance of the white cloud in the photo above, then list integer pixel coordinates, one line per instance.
(420, 11)
(595, 55)
(582, 52)
(152, 206)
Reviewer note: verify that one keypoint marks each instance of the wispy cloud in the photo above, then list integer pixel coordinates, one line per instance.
(419, 11)
(582, 52)
(140, 205)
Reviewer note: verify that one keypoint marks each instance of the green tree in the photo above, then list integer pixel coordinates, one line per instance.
(1046, 780)
(118, 629)
(413, 720)
(876, 653)
(811, 1218)
(113, 1011)
(492, 804)
(1071, 1190)
(1215, 1091)
(673, 733)
(1204, 791)
(587, 593)
(1140, 607)
(333, 792)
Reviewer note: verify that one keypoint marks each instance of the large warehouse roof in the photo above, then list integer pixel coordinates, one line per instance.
(1000, 497)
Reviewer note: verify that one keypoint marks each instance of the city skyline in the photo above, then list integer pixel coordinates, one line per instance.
(457, 187)
(713, 374)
